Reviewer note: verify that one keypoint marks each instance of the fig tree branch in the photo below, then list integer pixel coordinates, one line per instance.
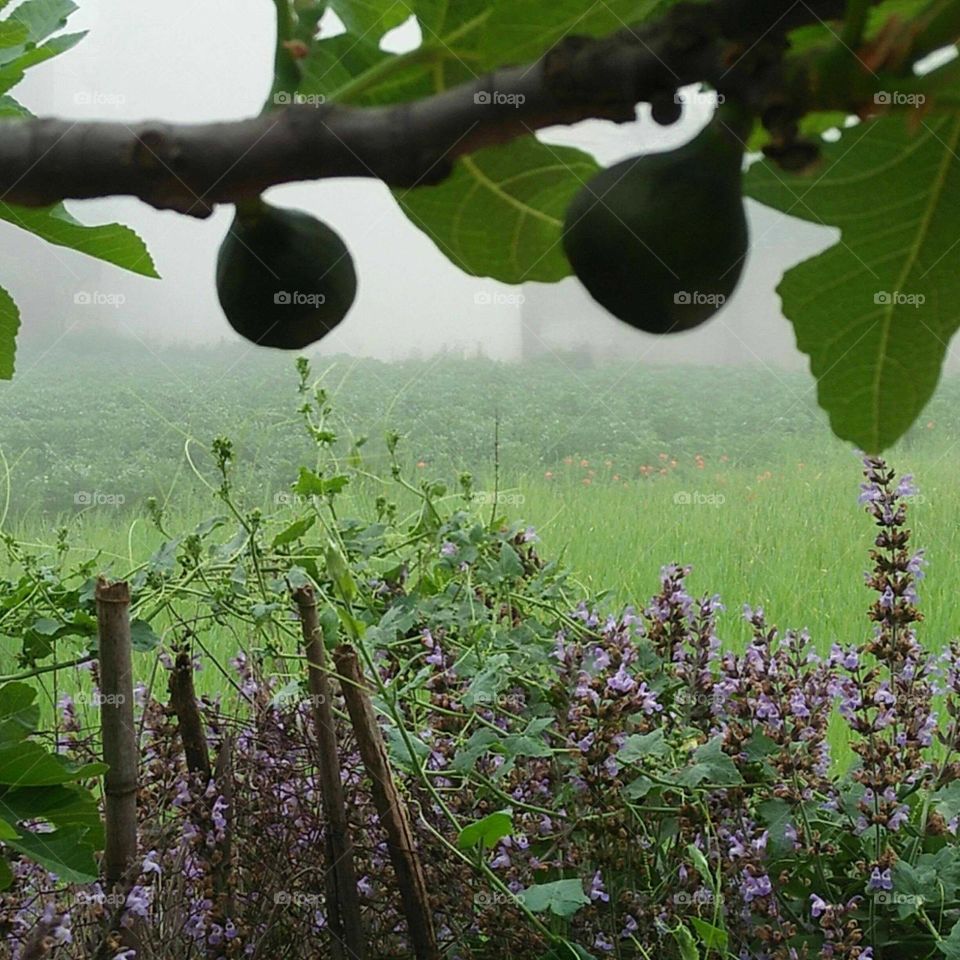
(736, 46)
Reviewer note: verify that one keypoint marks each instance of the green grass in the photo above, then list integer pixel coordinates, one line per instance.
(772, 520)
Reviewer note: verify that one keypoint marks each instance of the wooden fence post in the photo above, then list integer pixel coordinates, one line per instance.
(120, 748)
(390, 807)
(343, 901)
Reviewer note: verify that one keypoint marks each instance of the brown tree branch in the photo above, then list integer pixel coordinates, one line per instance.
(734, 45)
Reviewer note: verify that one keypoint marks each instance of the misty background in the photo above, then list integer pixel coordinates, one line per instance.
(192, 62)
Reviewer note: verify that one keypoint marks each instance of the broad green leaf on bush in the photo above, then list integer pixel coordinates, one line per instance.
(370, 19)
(66, 852)
(481, 741)
(30, 765)
(111, 242)
(500, 214)
(710, 764)
(143, 638)
(639, 746)
(776, 815)
(565, 950)
(19, 713)
(561, 897)
(64, 805)
(686, 943)
(521, 30)
(9, 325)
(6, 874)
(950, 945)
(947, 800)
(294, 532)
(712, 937)
(7, 831)
(876, 311)
(486, 832)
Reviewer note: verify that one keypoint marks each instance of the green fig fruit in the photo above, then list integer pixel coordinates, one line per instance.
(284, 278)
(660, 240)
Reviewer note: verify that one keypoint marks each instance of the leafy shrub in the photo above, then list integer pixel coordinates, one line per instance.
(582, 784)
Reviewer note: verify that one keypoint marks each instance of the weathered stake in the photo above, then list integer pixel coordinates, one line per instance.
(343, 901)
(183, 699)
(119, 734)
(390, 807)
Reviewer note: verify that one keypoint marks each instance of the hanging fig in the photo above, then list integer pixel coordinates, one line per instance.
(660, 240)
(284, 278)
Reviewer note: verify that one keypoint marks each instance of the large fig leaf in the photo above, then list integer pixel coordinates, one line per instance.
(876, 311)
(370, 19)
(111, 242)
(9, 325)
(521, 30)
(501, 212)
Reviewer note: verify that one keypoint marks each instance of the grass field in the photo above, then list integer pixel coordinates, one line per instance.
(737, 475)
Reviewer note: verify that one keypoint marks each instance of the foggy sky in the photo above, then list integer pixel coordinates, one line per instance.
(206, 61)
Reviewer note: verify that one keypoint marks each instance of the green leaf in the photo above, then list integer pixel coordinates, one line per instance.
(561, 897)
(950, 945)
(65, 805)
(700, 863)
(713, 938)
(370, 19)
(522, 30)
(110, 242)
(7, 831)
(510, 565)
(486, 832)
(500, 214)
(6, 874)
(12, 71)
(710, 764)
(340, 574)
(876, 311)
(143, 639)
(565, 950)
(41, 18)
(30, 765)
(639, 746)
(686, 943)
(9, 325)
(776, 815)
(64, 852)
(946, 800)
(19, 713)
(294, 532)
